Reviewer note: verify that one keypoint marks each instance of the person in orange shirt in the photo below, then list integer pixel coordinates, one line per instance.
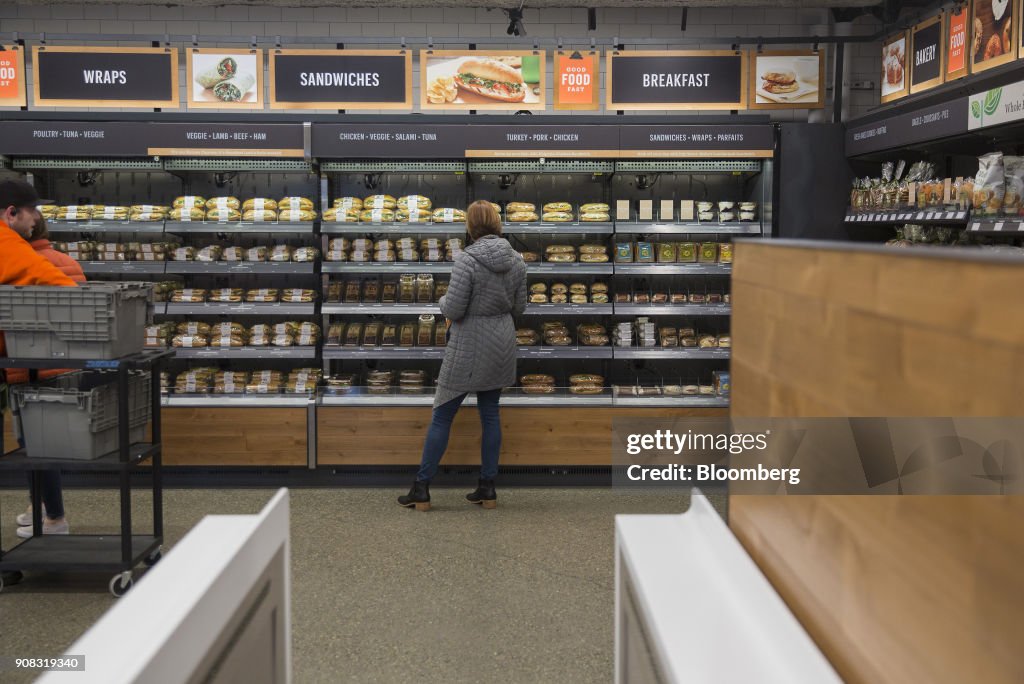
(20, 264)
(40, 241)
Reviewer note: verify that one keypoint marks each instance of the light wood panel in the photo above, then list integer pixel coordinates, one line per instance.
(530, 436)
(234, 436)
(893, 589)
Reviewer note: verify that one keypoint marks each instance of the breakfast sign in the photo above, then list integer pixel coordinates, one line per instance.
(676, 79)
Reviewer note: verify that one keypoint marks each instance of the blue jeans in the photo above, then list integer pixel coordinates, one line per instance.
(53, 495)
(441, 426)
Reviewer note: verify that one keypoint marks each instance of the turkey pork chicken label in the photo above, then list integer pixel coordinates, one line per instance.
(122, 77)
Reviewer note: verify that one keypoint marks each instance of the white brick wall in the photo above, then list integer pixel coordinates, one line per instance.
(417, 23)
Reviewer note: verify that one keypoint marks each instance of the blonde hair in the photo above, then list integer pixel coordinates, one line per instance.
(482, 219)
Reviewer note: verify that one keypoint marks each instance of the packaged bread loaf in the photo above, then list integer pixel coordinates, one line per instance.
(259, 204)
(448, 215)
(296, 215)
(186, 214)
(223, 203)
(407, 202)
(341, 215)
(295, 204)
(259, 215)
(380, 202)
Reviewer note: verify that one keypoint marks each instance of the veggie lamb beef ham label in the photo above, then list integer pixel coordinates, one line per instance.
(72, 76)
(677, 79)
(220, 78)
(340, 79)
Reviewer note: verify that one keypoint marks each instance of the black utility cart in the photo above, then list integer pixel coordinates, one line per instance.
(90, 552)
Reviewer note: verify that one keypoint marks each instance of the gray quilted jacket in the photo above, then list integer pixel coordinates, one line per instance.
(488, 286)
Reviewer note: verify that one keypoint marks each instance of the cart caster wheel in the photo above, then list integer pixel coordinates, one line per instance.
(153, 558)
(120, 584)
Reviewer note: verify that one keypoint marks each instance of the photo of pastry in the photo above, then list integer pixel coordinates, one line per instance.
(225, 78)
(894, 67)
(993, 33)
(482, 80)
(787, 79)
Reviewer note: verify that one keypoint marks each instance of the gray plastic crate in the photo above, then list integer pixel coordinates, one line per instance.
(74, 416)
(93, 321)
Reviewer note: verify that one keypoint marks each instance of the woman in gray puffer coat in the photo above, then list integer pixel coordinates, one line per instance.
(487, 288)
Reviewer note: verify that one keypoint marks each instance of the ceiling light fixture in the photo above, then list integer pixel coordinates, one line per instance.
(515, 21)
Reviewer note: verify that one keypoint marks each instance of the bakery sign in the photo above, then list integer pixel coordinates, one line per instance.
(926, 41)
(12, 77)
(340, 79)
(76, 76)
(676, 79)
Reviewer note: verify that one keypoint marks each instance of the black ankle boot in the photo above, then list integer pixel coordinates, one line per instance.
(418, 496)
(484, 494)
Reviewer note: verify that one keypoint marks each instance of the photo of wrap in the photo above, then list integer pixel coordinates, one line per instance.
(220, 77)
(225, 69)
(234, 89)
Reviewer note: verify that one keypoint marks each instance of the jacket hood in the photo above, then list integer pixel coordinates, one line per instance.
(494, 253)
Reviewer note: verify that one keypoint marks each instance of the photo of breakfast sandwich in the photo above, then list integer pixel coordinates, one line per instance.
(787, 79)
(993, 40)
(221, 78)
(482, 80)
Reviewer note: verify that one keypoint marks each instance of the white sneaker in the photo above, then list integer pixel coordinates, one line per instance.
(49, 527)
(26, 517)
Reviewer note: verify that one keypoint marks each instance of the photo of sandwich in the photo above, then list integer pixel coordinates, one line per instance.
(453, 79)
(222, 78)
(787, 79)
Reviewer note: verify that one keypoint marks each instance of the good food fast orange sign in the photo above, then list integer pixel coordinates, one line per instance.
(12, 77)
(956, 44)
(576, 80)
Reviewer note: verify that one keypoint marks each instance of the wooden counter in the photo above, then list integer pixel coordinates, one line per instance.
(530, 436)
(235, 436)
(893, 589)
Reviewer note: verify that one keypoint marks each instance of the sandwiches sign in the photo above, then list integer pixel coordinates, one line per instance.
(105, 77)
(680, 79)
(340, 79)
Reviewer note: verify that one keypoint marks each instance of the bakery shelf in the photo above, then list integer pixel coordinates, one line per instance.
(672, 269)
(674, 309)
(1000, 226)
(671, 353)
(578, 228)
(569, 309)
(237, 164)
(427, 353)
(224, 268)
(140, 227)
(539, 352)
(588, 166)
(393, 228)
(382, 166)
(242, 309)
(387, 267)
(575, 268)
(662, 401)
(255, 227)
(692, 228)
(235, 400)
(378, 309)
(123, 267)
(265, 353)
(926, 216)
(691, 165)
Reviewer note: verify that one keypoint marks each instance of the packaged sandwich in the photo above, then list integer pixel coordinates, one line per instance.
(348, 203)
(448, 215)
(558, 207)
(989, 185)
(412, 216)
(259, 204)
(594, 207)
(223, 203)
(295, 204)
(522, 217)
(1013, 200)
(557, 216)
(342, 215)
(226, 295)
(303, 255)
(296, 215)
(189, 202)
(259, 215)
(380, 202)
(223, 214)
(414, 201)
(515, 207)
(281, 253)
(379, 215)
(186, 214)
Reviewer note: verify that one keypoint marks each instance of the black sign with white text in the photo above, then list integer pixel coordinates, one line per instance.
(73, 138)
(91, 75)
(553, 139)
(389, 141)
(265, 140)
(681, 80)
(339, 79)
(655, 140)
(931, 123)
(927, 57)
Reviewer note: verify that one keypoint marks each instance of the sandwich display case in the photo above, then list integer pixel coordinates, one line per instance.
(305, 290)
